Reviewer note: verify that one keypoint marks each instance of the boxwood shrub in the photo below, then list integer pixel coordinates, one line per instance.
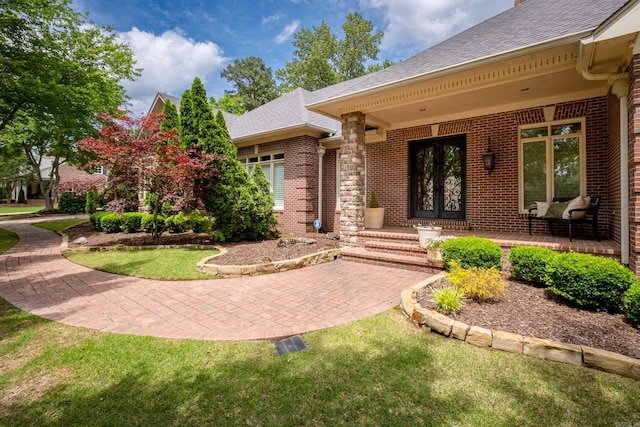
(176, 224)
(68, 203)
(530, 263)
(201, 225)
(131, 222)
(472, 252)
(632, 303)
(590, 281)
(147, 222)
(96, 218)
(111, 223)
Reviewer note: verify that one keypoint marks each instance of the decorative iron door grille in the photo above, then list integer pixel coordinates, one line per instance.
(437, 168)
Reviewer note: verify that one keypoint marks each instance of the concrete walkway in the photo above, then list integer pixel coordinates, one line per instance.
(36, 278)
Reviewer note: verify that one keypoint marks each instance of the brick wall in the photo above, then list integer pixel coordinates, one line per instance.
(492, 199)
(612, 200)
(300, 184)
(330, 215)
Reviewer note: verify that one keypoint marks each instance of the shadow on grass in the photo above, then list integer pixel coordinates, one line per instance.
(374, 372)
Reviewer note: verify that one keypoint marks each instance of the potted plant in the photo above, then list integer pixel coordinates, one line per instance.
(427, 232)
(433, 246)
(373, 215)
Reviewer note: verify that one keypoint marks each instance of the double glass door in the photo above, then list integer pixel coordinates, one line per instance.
(437, 168)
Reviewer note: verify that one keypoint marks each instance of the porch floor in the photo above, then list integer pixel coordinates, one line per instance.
(507, 240)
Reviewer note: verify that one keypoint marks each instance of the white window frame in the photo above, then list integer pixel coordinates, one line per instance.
(266, 159)
(100, 170)
(582, 154)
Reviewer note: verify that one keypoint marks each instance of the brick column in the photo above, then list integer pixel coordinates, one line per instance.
(352, 179)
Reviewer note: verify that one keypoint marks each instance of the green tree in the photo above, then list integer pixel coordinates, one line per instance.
(229, 103)
(57, 70)
(172, 119)
(320, 59)
(188, 128)
(252, 80)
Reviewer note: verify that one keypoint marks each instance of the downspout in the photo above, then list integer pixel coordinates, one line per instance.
(321, 151)
(621, 90)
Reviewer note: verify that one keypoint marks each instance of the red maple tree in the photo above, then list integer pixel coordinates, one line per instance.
(140, 156)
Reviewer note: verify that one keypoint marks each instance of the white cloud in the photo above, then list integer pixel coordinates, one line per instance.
(418, 24)
(287, 32)
(170, 62)
(267, 20)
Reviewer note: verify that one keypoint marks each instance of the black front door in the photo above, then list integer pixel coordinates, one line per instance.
(437, 168)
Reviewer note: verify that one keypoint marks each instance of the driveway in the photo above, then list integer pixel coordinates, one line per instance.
(35, 277)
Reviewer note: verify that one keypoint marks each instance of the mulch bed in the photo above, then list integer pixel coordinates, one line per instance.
(535, 312)
(237, 253)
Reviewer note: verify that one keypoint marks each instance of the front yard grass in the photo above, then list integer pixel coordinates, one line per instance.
(376, 371)
(8, 239)
(166, 264)
(8, 209)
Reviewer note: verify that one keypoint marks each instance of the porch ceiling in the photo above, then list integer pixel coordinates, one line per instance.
(531, 79)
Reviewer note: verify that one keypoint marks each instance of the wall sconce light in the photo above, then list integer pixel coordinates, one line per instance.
(489, 158)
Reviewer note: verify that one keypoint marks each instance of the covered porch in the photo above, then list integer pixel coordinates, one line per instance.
(398, 246)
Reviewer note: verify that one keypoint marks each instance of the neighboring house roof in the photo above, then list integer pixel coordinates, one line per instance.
(531, 23)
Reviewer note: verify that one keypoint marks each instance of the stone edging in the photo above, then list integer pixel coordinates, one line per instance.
(228, 271)
(546, 349)
(64, 247)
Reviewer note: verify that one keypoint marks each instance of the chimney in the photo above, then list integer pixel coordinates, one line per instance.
(517, 2)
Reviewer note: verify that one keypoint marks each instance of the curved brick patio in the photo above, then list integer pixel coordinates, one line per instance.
(36, 278)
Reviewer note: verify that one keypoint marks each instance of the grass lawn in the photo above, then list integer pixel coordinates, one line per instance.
(148, 263)
(59, 225)
(7, 240)
(19, 209)
(377, 371)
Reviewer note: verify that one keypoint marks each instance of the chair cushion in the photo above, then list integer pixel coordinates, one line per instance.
(556, 210)
(541, 209)
(577, 203)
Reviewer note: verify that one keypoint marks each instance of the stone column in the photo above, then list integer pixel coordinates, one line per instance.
(352, 177)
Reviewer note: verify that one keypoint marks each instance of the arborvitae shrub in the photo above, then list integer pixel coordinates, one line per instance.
(92, 201)
(530, 263)
(131, 222)
(472, 252)
(96, 219)
(590, 281)
(632, 303)
(68, 203)
(21, 197)
(111, 223)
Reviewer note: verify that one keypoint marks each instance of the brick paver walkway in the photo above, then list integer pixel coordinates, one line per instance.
(36, 278)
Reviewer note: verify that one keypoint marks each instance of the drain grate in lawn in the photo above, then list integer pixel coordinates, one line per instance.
(290, 345)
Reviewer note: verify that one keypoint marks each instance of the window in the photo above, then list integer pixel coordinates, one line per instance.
(273, 167)
(552, 162)
(100, 170)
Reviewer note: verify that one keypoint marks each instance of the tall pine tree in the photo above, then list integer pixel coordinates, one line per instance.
(188, 126)
(172, 120)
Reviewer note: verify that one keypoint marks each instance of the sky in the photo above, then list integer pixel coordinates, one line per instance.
(174, 41)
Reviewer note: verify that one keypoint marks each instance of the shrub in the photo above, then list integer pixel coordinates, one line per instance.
(448, 299)
(590, 281)
(201, 224)
(176, 223)
(21, 197)
(480, 284)
(147, 222)
(92, 201)
(631, 303)
(68, 203)
(530, 263)
(96, 219)
(111, 223)
(472, 252)
(131, 222)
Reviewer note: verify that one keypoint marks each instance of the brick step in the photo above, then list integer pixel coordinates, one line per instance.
(407, 262)
(388, 236)
(412, 248)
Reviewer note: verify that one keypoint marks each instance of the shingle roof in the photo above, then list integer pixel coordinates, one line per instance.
(287, 111)
(530, 23)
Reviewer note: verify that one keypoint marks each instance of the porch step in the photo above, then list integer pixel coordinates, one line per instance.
(412, 248)
(406, 262)
(402, 236)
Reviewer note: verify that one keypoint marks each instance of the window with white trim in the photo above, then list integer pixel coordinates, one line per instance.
(552, 162)
(100, 170)
(273, 167)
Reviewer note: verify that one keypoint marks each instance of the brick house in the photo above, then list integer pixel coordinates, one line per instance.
(550, 87)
